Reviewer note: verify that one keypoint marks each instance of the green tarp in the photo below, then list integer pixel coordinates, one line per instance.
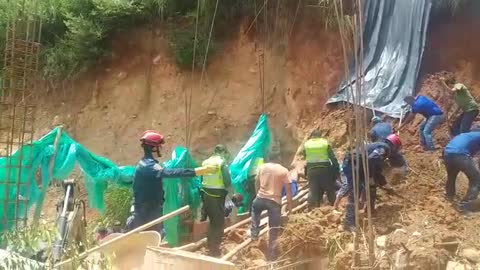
(257, 146)
(98, 171)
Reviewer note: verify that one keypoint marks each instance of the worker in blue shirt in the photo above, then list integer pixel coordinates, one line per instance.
(458, 156)
(378, 153)
(148, 194)
(380, 129)
(433, 118)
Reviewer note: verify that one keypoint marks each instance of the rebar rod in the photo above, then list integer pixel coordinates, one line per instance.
(22, 47)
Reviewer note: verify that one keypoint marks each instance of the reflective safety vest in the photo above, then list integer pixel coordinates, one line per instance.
(214, 180)
(316, 150)
(256, 164)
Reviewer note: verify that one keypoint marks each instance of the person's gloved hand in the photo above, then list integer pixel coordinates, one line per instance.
(205, 170)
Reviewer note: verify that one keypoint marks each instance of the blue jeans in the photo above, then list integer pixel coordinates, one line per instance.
(274, 219)
(464, 122)
(349, 221)
(455, 164)
(427, 128)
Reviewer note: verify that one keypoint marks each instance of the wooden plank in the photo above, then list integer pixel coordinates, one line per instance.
(134, 231)
(194, 246)
(127, 253)
(169, 259)
(242, 245)
(263, 231)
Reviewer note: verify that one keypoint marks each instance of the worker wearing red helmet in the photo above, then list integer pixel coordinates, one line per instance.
(378, 153)
(147, 183)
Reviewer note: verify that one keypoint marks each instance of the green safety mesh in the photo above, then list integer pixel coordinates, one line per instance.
(98, 171)
(179, 192)
(256, 147)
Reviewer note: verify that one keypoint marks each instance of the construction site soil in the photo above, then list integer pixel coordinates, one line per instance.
(109, 107)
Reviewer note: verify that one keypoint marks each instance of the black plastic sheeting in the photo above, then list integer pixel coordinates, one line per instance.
(394, 39)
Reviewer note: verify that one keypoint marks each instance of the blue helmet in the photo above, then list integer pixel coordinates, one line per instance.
(376, 119)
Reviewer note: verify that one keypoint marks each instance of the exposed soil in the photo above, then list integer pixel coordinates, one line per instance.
(415, 217)
(109, 107)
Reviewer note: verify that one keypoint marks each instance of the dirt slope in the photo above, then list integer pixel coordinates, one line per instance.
(416, 217)
(109, 107)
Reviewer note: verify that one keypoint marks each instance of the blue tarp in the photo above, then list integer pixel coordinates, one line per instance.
(394, 39)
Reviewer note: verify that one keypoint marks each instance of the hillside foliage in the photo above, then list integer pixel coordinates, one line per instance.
(75, 34)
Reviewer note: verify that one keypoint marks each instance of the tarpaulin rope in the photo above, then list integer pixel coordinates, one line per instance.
(188, 133)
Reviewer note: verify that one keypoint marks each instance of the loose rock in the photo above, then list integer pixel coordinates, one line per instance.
(471, 254)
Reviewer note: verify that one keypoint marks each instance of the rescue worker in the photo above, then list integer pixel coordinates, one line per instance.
(214, 191)
(458, 157)
(270, 179)
(380, 129)
(148, 182)
(222, 151)
(378, 152)
(433, 118)
(250, 183)
(465, 102)
(321, 170)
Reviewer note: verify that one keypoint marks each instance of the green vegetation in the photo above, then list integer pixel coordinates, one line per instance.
(117, 201)
(75, 33)
(33, 245)
(28, 241)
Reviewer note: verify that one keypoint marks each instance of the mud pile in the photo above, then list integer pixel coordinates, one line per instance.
(314, 234)
(308, 234)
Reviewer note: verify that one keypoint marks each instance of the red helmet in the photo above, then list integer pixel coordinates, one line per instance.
(394, 139)
(152, 138)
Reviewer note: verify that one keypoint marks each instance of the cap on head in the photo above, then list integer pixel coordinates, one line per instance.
(152, 138)
(409, 99)
(376, 119)
(220, 149)
(394, 139)
(316, 133)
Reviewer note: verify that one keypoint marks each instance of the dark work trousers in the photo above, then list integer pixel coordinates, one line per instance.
(456, 163)
(463, 123)
(214, 203)
(144, 213)
(252, 193)
(320, 180)
(274, 222)
(203, 213)
(350, 207)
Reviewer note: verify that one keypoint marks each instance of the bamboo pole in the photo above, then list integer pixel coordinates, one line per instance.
(132, 232)
(400, 123)
(39, 204)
